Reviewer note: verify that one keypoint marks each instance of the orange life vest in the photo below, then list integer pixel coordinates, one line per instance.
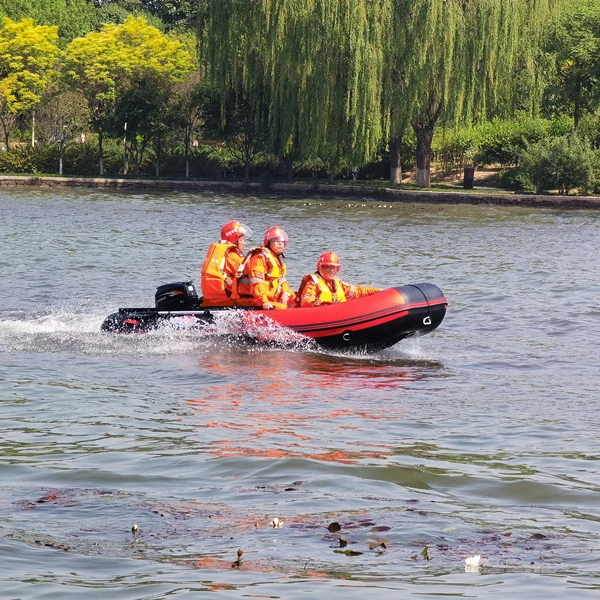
(216, 282)
(275, 275)
(325, 295)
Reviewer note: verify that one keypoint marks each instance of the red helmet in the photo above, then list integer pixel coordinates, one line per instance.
(234, 230)
(329, 259)
(275, 234)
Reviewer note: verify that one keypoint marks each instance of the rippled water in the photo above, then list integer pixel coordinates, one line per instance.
(480, 439)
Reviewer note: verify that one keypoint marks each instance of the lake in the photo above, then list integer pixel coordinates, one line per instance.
(171, 464)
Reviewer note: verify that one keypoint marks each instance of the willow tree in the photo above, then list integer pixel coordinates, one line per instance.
(331, 78)
(311, 71)
(458, 61)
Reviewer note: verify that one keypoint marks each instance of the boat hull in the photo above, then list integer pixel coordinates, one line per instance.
(371, 323)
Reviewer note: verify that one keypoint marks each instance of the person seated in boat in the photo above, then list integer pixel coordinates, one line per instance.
(221, 264)
(324, 287)
(262, 275)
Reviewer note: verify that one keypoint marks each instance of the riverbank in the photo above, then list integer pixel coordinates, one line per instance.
(300, 189)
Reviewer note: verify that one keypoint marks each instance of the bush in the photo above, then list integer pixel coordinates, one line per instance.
(515, 179)
(455, 149)
(502, 141)
(19, 159)
(565, 163)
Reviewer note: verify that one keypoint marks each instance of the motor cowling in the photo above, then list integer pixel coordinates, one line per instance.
(180, 295)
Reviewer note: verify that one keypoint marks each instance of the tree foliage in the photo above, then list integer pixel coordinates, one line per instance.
(72, 17)
(28, 54)
(175, 14)
(334, 78)
(456, 61)
(564, 163)
(311, 70)
(107, 65)
(574, 43)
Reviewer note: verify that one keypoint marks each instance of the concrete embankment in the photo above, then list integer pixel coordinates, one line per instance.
(304, 190)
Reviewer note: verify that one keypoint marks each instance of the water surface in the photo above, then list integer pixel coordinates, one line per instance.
(478, 439)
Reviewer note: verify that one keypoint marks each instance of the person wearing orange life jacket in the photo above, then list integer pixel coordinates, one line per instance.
(221, 265)
(324, 287)
(262, 276)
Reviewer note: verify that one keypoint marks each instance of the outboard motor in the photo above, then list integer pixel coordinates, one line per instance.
(180, 295)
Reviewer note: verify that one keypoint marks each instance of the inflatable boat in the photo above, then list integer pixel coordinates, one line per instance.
(371, 323)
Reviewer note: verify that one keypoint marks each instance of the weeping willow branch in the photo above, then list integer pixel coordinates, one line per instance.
(333, 79)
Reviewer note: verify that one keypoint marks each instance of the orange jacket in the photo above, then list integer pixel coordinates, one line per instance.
(315, 290)
(263, 277)
(218, 272)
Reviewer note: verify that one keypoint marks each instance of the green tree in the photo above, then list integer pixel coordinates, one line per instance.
(62, 117)
(106, 65)
(574, 43)
(187, 111)
(73, 17)
(140, 115)
(175, 14)
(118, 11)
(28, 54)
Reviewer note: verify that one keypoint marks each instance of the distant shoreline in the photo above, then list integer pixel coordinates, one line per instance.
(303, 190)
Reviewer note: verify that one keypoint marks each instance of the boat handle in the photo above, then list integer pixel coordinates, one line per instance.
(427, 320)
(346, 336)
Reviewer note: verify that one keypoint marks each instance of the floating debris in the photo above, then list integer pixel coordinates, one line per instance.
(473, 563)
(134, 529)
(348, 552)
(376, 544)
(236, 564)
(424, 553)
(334, 527)
(276, 523)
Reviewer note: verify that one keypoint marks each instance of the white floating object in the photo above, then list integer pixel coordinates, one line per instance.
(473, 563)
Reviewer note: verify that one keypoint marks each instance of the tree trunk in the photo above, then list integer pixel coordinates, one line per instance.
(101, 151)
(125, 156)
(187, 157)
(60, 157)
(395, 163)
(289, 168)
(8, 121)
(187, 141)
(423, 126)
(158, 155)
(5, 130)
(246, 172)
(423, 129)
(424, 135)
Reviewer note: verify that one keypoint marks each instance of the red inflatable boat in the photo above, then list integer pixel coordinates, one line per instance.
(372, 323)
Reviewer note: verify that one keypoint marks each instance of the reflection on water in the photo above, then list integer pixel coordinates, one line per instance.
(285, 405)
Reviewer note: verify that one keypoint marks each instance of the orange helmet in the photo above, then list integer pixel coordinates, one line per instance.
(329, 259)
(234, 230)
(275, 234)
